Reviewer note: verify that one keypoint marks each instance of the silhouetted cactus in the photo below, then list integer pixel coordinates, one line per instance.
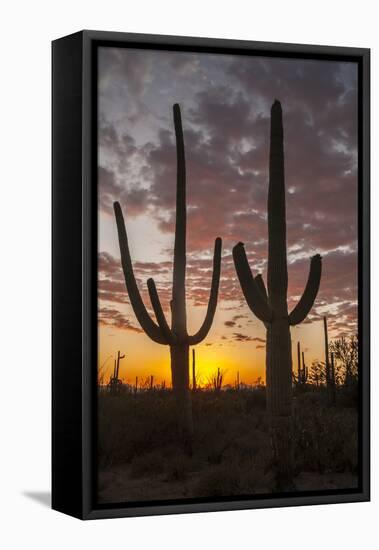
(119, 357)
(115, 382)
(175, 336)
(217, 381)
(329, 369)
(298, 364)
(114, 370)
(333, 374)
(194, 386)
(271, 306)
(304, 371)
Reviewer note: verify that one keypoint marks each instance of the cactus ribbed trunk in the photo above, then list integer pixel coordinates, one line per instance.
(180, 381)
(279, 399)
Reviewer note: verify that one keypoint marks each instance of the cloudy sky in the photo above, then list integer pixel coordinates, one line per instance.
(225, 103)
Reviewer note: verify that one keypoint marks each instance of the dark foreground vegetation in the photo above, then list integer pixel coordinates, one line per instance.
(140, 460)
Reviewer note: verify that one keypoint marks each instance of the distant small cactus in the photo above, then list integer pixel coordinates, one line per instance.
(194, 385)
(217, 380)
(115, 382)
(329, 367)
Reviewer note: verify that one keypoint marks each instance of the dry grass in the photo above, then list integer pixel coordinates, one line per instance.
(139, 458)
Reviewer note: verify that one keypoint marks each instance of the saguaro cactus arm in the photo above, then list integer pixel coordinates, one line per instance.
(305, 304)
(144, 319)
(261, 285)
(250, 287)
(159, 314)
(212, 302)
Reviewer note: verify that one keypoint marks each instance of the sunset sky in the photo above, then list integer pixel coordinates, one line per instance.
(225, 103)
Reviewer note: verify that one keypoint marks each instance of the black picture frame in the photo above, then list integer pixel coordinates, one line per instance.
(74, 310)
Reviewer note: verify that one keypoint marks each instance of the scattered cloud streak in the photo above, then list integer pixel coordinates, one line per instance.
(113, 318)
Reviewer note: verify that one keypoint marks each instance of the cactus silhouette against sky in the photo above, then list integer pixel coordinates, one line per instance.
(194, 387)
(302, 369)
(329, 371)
(271, 306)
(298, 363)
(115, 382)
(175, 336)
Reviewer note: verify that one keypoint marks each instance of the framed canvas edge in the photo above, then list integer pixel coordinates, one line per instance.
(161, 40)
(89, 194)
(66, 296)
(365, 282)
(227, 506)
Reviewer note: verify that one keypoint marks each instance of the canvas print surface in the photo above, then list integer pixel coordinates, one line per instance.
(227, 276)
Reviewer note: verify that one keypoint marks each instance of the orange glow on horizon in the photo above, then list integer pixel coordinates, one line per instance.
(144, 357)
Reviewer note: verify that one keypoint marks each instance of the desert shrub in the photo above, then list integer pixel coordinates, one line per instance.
(227, 420)
(350, 452)
(177, 467)
(232, 451)
(253, 445)
(255, 399)
(172, 466)
(150, 463)
(311, 398)
(234, 478)
(348, 396)
(219, 481)
(325, 438)
(130, 425)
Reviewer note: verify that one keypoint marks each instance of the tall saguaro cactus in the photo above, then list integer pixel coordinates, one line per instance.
(271, 306)
(175, 336)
